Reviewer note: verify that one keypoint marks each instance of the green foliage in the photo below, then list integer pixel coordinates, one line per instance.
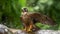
(42, 26)
(10, 8)
(22, 3)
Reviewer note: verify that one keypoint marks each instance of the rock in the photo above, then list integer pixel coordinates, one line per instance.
(3, 26)
(4, 29)
(48, 32)
(20, 32)
(17, 31)
(39, 32)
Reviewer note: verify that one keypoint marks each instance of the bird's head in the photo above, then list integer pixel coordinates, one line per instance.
(24, 11)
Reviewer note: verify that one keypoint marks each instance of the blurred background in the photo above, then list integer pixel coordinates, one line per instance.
(10, 11)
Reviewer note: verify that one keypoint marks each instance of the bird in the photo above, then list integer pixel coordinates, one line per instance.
(29, 19)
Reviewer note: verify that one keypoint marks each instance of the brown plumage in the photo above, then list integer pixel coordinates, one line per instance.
(29, 19)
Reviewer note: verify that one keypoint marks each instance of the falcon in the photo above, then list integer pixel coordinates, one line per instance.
(29, 19)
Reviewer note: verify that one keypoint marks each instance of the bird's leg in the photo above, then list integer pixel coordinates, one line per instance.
(30, 26)
(25, 28)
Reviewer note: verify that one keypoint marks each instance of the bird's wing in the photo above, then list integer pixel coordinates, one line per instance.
(47, 20)
(42, 18)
